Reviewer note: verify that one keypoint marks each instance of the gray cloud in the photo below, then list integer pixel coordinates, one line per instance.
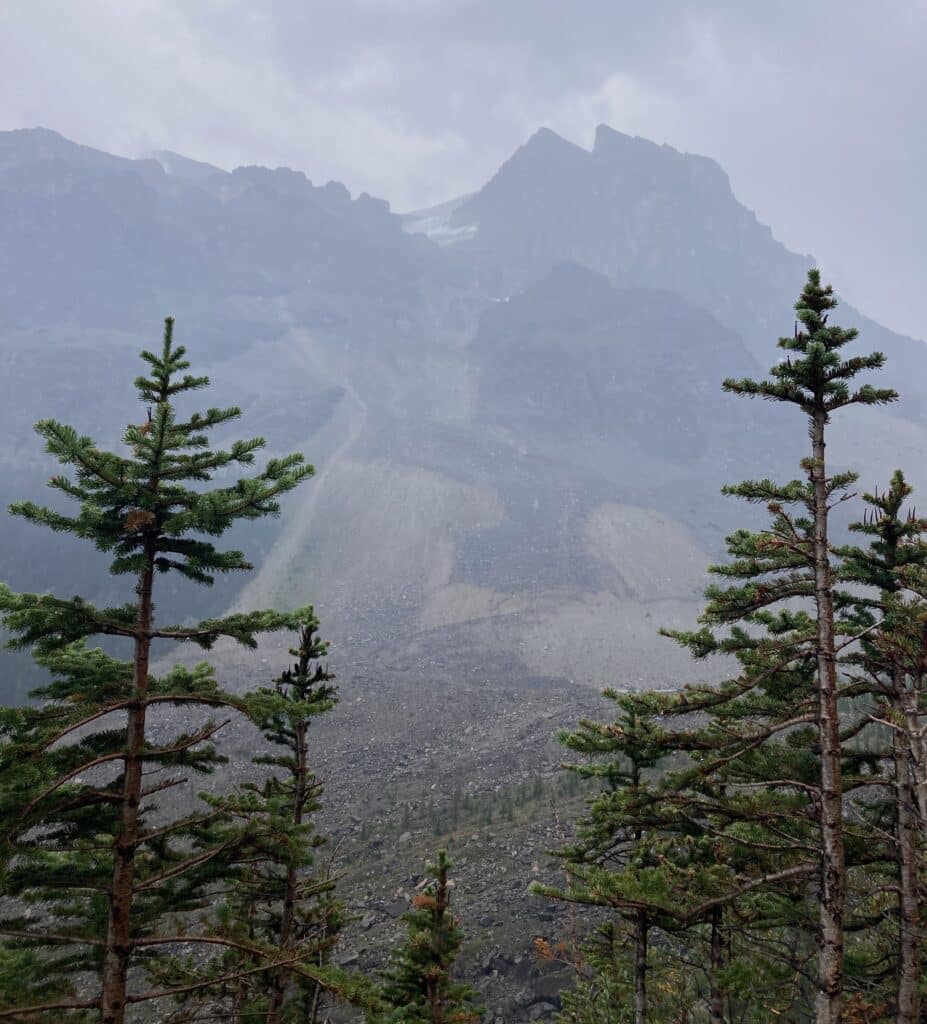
(815, 110)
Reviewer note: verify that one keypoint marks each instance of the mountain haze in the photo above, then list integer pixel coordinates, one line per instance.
(507, 397)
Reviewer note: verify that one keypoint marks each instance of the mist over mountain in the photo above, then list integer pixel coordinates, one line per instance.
(645, 215)
(502, 395)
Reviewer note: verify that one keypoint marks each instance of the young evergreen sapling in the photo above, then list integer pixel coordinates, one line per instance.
(280, 903)
(419, 985)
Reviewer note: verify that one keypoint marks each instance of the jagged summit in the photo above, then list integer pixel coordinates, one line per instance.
(545, 161)
(609, 142)
(41, 145)
(546, 153)
(661, 166)
(606, 136)
(117, 238)
(643, 214)
(546, 141)
(183, 167)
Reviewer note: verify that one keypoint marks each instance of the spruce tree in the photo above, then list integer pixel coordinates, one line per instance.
(60, 798)
(603, 979)
(890, 664)
(419, 986)
(83, 837)
(309, 916)
(612, 840)
(672, 852)
(766, 761)
(279, 902)
(815, 378)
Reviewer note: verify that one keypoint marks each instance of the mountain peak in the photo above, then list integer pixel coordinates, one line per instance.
(547, 161)
(38, 132)
(547, 137)
(545, 144)
(668, 168)
(570, 277)
(23, 146)
(36, 142)
(183, 167)
(608, 139)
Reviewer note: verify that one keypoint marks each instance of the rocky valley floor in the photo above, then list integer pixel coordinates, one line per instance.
(410, 768)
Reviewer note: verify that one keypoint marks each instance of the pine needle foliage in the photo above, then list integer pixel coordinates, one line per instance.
(99, 862)
(793, 560)
(419, 985)
(745, 824)
(280, 905)
(289, 897)
(889, 668)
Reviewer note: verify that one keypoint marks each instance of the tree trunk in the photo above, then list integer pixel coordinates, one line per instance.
(292, 880)
(907, 848)
(917, 745)
(833, 881)
(640, 968)
(315, 1005)
(118, 949)
(917, 754)
(238, 1002)
(716, 994)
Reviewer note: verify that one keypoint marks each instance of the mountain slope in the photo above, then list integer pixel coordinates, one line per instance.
(645, 216)
(503, 416)
(575, 362)
(104, 240)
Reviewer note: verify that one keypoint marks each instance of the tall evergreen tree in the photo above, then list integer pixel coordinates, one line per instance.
(419, 986)
(83, 837)
(278, 899)
(815, 378)
(891, 660)
(309, 916)
(766, 759)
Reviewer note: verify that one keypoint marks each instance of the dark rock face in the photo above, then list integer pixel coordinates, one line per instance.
(644, 215)
(183, 168)
(103, 240)
(573, 359)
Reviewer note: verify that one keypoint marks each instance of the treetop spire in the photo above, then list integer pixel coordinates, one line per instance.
(814, 376)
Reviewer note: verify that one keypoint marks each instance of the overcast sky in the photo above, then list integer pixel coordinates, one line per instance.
(815, 109)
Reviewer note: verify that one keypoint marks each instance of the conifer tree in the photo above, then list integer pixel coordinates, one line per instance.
(419, 985)
(612, 840)
(310, 917)
(60, 805)
(891, 660)
(279, 899)
(815, 378)
(767, 767)
(603, 979)
(674, 853)
(83, 838)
